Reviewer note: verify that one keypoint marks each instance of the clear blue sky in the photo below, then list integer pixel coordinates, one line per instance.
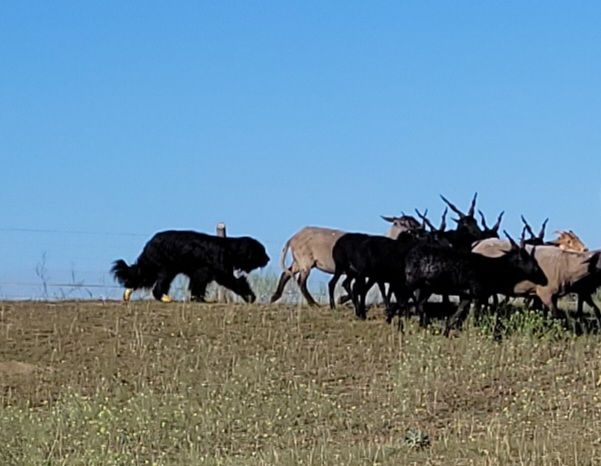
(135, 117)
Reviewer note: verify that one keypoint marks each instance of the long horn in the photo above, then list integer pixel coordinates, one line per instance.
(473, 206)
(483, 220)
(541, 234)
(511, 240)
(523, 239)
(523, 232)
(425, 219)
(453, 208)
(388, 219)
(443, 222)
(528, 227)
(498, 224)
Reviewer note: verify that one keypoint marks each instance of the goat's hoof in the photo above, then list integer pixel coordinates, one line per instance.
(166, 298)
(127, 294)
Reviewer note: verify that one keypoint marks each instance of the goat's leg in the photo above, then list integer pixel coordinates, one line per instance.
(346, 284)
(284, 279)
(332, 288)
(549, 300)
(400, 307)
(385, 295)
(421, 297)
(458, 316)
(359, 297)
(302, 282)
(391, 310)
(579, 305)
(588, 299)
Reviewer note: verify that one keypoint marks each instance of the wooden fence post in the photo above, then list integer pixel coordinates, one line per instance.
(222, 296)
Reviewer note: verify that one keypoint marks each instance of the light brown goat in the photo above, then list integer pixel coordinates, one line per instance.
(568, 241)
(311, 247)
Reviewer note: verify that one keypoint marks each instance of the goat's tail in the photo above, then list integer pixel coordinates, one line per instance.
(283, 257)
(129, 276)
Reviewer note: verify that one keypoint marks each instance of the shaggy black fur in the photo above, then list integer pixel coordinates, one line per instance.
(203, 258)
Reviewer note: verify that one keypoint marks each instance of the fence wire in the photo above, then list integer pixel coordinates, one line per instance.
(92, 283)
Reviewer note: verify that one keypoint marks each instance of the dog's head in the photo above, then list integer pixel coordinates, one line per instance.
(249, 254)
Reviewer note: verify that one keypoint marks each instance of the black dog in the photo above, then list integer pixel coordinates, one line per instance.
(203, 258)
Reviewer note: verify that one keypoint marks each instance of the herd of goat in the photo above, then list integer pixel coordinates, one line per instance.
(411, 263)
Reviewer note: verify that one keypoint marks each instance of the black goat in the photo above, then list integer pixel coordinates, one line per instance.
(535, 239)
(360, 257)
(369, 260)
(468, 231)
(586, 287)
(431, 269)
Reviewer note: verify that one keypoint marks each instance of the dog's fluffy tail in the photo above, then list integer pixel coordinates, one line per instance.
(129, 276)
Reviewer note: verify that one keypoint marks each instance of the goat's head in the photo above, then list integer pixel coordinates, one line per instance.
(569, 241)
(401, 224)
(492, 232)
(435, 235)
(466, 223)
(536, 239)
(525, 261)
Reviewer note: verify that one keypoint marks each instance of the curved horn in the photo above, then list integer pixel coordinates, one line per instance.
(483, 220)
(453, 208)
(511, 240)
(388, 219)
(541, 234)
(498, 224)
(523, 239)
(527, 227)
(523, 232)
(443, 222)
(473, 206)
(425, 219)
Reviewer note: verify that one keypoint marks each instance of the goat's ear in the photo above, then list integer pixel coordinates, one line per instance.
(388, 219)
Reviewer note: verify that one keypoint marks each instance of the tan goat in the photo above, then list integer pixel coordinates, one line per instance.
(311, 247)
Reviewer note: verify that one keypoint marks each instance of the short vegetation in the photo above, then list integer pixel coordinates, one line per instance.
(88, 383)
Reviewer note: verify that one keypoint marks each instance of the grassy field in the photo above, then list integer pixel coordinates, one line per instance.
(149, 383)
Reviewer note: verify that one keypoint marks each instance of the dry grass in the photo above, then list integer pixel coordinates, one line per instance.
(148, 383)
